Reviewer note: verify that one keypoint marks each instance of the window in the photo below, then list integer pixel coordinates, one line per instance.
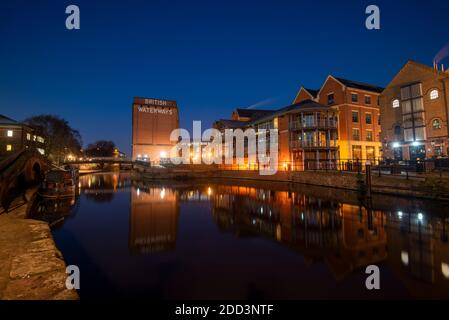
(434, 94)
(397, 130)
(378, 119)
(369, 135)
(356, 152)
(396, 103)
(367, 99)
(9, 133)
(355, 134)
(436, 124)
(413, 117)
(28, 136)
(330, 99)
(354, 97)
(368, 118)
(8, 147)
(355, 116)
(370, 153)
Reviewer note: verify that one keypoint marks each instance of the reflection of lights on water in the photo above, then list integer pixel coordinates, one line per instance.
(138, 192)
(89, 183)
(302, 216)
(270, 213)
(209, 191)
(254, 221)
(404, 257)
(278, 232)
(420, 216)
(163, 193)
(400, 214)
(261, 210)
(445, 270)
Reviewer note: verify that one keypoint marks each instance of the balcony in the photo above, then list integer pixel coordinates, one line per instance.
(312, 125)
(299, 144)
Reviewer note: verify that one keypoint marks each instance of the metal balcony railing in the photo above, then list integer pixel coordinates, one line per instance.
(299, 144)
(320, 124)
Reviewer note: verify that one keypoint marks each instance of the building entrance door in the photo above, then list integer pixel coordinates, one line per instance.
(417, 152)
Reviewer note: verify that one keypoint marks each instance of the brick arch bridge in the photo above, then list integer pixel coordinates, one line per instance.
(18, 171)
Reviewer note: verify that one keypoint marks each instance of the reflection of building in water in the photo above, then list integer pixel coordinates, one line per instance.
(419, 249)
(345, 237)
(154, 219)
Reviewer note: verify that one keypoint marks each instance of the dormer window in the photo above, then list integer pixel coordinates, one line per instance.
(330, 99)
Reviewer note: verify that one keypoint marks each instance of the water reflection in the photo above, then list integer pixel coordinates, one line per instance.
(320, 227)
(153, 219)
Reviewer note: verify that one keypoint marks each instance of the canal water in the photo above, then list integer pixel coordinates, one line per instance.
(238, 240)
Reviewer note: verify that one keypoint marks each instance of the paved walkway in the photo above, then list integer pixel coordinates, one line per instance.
(31, 267)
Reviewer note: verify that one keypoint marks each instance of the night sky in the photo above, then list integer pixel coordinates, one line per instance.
(210, 56)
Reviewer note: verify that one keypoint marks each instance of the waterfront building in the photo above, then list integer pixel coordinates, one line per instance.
(415, 113)
(15, 136)
(307, 134)
(153, 121)
(358, 117)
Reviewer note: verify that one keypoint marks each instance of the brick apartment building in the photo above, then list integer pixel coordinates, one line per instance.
(16, 136)
(358, 118)
(307, 133)
(415, 113)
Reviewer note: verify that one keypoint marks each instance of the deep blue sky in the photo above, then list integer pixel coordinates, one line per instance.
(210, 56)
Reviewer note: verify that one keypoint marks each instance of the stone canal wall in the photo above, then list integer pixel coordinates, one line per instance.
(422, 187)
(31, 267)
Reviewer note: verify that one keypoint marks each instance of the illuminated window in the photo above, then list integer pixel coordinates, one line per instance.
(369, 135)
(8, 147)
(28, 136)
(396, 103)
(445, 270)
(433, 94)
(436, 124)
(404, 257)
(355, 134)
(9, 133)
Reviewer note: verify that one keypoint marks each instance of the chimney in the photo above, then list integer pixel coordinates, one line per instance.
(435, 65)
(442, 68)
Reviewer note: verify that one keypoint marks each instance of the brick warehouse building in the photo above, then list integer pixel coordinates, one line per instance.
(415, 113)
(358, 118)
(153, 120)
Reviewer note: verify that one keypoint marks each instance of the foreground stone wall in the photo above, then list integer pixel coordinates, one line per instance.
(31, 267)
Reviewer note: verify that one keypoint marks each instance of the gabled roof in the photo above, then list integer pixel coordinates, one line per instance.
(306, 105)
(230, 124)
(360, 85)
(252, 113)
(6, 120)
(312, 92)
(422, 66)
